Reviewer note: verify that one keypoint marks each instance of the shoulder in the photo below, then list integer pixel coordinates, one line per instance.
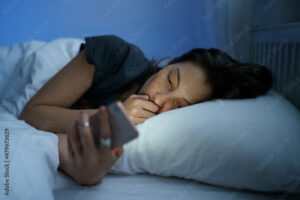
(106, 48)
(112, 44)
(107, 42)
(113, 38)
(112, 52)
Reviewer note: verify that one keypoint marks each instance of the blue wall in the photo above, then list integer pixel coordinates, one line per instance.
(159, 27)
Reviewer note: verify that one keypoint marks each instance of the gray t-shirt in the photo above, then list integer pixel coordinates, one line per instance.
(118, 66)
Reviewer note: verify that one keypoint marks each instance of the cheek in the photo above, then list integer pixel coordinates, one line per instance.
(157, 84)
(151, 80)
(167, 106)
(151, 83)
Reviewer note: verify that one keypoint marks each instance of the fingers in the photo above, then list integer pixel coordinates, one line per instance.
(144, 113)
(104, 124)
(73, 139)
(85, 134)
(146, 97)
(143, 101)
(137, 120)
(148, 105)
(140, 120)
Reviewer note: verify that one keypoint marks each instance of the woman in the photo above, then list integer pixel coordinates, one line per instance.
(108, 68)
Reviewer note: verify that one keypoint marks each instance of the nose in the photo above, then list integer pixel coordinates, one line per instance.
(160, 100)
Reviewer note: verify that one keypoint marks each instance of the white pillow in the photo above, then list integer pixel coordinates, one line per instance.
(243, 143)
(29, 160)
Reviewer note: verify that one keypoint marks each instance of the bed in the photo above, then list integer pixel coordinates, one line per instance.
(146, 186)
(32, 157)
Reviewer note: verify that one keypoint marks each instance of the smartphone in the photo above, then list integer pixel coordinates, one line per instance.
(122, 129)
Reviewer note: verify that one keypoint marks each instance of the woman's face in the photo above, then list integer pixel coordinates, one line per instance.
(176, 85)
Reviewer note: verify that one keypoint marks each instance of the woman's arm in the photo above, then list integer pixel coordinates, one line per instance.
(54, 119)
(49, 108)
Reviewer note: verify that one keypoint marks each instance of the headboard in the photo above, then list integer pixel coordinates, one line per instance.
(277, 47)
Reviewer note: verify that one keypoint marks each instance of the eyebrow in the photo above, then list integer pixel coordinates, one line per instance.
(178, 77)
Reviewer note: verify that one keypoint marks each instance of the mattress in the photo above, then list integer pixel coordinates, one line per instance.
(148, 186)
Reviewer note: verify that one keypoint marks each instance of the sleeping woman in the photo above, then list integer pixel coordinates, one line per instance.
(108, 68)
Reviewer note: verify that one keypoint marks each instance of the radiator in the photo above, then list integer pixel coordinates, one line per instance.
(278, 48)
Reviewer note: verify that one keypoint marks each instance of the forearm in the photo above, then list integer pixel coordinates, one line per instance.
(52, 118)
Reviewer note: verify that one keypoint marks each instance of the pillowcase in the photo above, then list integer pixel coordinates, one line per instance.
(240, 143)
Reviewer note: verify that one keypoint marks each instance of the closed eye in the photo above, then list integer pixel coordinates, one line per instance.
(170, 82)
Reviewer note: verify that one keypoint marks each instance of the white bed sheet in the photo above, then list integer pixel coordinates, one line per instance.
(149, 187)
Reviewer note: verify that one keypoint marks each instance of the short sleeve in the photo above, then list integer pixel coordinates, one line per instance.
(106, 53)
(117, 63)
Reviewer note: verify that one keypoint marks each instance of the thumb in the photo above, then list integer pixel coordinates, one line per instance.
(140, 96)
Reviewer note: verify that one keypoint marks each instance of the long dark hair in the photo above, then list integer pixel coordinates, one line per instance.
(228, 78)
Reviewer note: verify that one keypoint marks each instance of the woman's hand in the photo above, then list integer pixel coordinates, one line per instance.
(85, 160)
(139, 108)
